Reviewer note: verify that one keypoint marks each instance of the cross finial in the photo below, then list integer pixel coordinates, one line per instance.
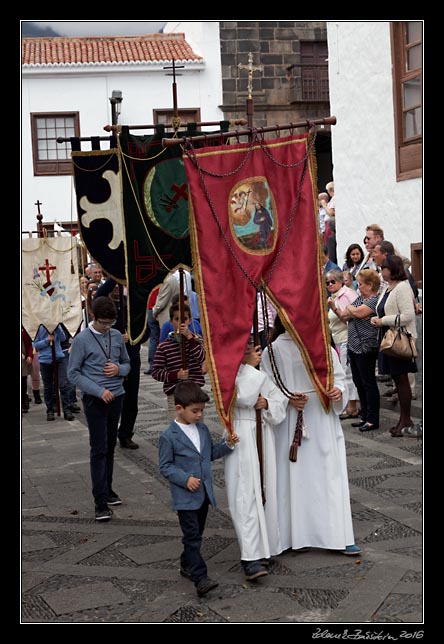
(174, 67)
(251, 69)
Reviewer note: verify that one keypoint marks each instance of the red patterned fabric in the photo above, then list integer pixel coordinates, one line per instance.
(257, 225)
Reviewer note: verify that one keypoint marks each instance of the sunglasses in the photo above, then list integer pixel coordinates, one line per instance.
(366, 239)
(328, 282)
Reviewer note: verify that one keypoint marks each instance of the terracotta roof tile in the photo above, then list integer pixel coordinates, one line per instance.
(107, 49)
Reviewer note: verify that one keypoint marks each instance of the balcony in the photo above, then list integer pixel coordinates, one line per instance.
(308, 83)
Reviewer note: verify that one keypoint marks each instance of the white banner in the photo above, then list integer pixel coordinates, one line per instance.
(50, 284)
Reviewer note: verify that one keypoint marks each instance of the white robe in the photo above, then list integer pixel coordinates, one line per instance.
(313, 500)
(242, 472)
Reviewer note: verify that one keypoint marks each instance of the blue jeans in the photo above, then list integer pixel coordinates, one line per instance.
(102, 419)
(363, 372)
(154, 337)
(47, 373)
(192, 523)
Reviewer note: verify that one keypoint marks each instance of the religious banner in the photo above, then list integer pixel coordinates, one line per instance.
(99, 208)
(155, 210)
(50, 284)
(253, 219)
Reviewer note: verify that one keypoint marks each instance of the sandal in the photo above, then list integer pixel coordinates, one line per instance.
(346, 415)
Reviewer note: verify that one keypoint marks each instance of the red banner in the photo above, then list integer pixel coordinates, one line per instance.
(253, 220)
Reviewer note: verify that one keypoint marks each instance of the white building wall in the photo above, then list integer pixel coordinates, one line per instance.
(363, 141)
(204, 39)
(87, 90)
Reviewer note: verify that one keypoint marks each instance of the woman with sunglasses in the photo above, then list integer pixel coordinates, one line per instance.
(340, 297)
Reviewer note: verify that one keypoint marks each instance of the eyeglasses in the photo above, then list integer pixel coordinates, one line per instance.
(106, 322)
(366, 239)
(328, 282)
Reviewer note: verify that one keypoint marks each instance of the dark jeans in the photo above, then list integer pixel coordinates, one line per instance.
(192, 523)
(130, 406)
(71, 389)
(102, 419)
(47, 372)
(154, 337)
(363, 373)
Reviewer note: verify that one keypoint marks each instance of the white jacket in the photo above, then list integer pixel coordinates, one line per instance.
(400, 302)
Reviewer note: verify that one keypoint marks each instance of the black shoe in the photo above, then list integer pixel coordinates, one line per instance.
(37, 399)
(113, 499)
(360, 423)
(50, 415)
(103, 512)
(148, 372)
(75, 409)
(128, 443)
(185, 572)
(253, 570)
(204, 586)
(265, 562)
(366, 427)
(67, 415)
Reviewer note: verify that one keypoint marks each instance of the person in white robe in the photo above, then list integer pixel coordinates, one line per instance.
(313, 500)
(254, 390)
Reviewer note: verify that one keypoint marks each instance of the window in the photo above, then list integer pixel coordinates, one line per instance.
(314, 71)
(191, 115)
(50, 157)
(416, 268)
(407, 92)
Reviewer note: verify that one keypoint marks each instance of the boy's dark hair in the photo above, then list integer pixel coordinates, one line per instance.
(176, 298)
(278, 328)
(187, 392)
(103, 307)
(176, 307)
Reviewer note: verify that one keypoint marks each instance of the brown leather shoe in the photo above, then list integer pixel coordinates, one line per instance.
(129, 444)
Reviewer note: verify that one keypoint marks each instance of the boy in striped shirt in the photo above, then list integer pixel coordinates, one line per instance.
(167, 365)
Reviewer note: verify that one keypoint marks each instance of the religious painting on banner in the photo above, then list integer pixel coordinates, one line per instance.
(97, 176)
(50, 284)
(155, 211)
(253, 219)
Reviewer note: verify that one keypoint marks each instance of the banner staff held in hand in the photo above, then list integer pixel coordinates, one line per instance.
(182, 318)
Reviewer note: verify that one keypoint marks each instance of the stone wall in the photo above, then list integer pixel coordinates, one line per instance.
(276, 46)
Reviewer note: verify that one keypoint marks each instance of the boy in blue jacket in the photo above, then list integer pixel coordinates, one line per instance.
(44, 343)
(185, 454)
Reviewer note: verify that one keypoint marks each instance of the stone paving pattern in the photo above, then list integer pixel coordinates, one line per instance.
(77, 570)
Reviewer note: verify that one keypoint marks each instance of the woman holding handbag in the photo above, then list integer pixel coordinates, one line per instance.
(397, 300)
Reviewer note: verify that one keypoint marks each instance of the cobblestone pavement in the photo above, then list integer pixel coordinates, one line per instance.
(75, 570)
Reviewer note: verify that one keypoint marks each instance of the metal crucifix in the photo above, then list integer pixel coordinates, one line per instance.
(175, 121)
(251, 68)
